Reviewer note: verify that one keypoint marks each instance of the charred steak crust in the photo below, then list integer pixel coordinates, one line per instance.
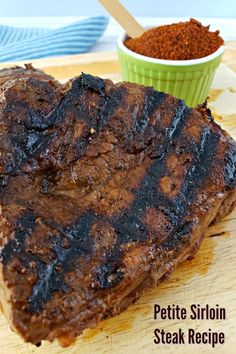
(104, 189)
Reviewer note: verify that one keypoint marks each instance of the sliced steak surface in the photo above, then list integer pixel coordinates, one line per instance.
(104, 189)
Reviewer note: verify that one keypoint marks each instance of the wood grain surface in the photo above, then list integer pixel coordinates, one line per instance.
(210, 278)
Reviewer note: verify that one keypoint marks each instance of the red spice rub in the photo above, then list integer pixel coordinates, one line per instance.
(178, 41)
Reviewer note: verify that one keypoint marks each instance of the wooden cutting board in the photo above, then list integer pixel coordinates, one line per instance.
(208, 279)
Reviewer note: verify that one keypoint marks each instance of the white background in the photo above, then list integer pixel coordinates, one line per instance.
(156, 8)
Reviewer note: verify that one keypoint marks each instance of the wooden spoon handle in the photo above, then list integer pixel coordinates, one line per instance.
(125, 19)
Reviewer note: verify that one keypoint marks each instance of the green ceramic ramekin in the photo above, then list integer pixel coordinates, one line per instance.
(186, 79)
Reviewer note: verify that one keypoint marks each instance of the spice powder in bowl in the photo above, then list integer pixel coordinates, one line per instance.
(178, 41)
(180, 59)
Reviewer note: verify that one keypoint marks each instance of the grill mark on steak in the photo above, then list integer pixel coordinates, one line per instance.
(204, 157)
(178, 121)
(152, 101)
(230, 170)
(3, 181)
(106, 106)
(197, 174)
(25, 146)
(107, 103)
(51, 276)
(24, 227)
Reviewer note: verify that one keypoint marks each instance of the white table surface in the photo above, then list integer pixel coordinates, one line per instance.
(227, 26)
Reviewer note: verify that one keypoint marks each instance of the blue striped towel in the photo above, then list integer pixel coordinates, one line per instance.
(31, 43)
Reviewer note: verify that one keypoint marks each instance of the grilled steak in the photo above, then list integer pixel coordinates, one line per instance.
(104, 189)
